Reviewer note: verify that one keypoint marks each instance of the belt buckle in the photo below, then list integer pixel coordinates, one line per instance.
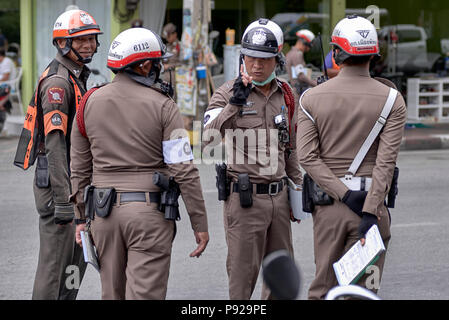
(273, 184)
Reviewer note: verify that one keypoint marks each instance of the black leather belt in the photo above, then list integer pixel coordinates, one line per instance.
(138, 197)
(262, 188)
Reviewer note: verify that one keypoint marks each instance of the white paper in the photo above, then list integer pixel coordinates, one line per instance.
(295, 197)
(297, 70)
(359, 257)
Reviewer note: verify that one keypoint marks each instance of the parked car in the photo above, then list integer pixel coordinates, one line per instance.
(405, 49)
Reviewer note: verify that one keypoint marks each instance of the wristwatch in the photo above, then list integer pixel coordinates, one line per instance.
(80, 221)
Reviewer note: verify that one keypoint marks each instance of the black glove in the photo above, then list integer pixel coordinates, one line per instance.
(64, 213)
(368, 220)
(355, 200)
(241, 92)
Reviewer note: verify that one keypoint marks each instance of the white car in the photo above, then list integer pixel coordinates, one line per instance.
(406, 48)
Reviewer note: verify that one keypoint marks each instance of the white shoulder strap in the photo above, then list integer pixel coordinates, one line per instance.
(374, 132)
(304, 110)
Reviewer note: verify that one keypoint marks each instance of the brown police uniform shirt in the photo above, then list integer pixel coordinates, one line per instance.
(263, 110)
(293, 58)
(57, 98)
(127, 124)
(344, 110)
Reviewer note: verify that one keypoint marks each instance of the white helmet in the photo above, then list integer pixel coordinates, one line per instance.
(355, 36)
(306, 36)
(135, 45)
(262, 39)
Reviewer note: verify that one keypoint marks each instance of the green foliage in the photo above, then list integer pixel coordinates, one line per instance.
(10, 20)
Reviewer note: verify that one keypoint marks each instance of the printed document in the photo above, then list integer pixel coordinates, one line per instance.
(353, 264)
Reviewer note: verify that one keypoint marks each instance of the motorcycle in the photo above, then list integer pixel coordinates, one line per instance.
(5, 104)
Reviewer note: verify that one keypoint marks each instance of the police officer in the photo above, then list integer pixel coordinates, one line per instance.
(256, 212)
(128, 130)
(170, 36)
(46, 137)
(334, 120)
(295, 59)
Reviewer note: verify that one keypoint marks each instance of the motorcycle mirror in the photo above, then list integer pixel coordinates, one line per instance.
(281, 275)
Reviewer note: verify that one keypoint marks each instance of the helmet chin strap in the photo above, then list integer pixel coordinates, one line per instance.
(68, 46)
(81, 59)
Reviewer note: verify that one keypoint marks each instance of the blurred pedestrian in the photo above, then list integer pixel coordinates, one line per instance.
(332, 68)
(3, 42)
(7, 67)
(170, 36)
(295, 63)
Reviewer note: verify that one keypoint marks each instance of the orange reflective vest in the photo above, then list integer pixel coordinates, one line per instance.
(32, 138)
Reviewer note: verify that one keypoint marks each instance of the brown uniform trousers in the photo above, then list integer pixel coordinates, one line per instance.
(335, 119)
(127, 125)
(252, 233)
(58, 249)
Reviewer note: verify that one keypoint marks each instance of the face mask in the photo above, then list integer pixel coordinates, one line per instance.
(269, 79)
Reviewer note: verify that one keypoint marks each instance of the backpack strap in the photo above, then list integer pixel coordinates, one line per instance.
(80, 112)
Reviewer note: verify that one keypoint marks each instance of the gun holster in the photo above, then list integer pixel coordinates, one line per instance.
(307, 202)
(89, 202)
(313, 195)
(222, 182)
(393, 189)
(245, 191)
(103, 200)
(42, 174)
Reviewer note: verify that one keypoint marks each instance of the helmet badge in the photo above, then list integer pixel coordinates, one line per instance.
(115, 44)
(85, 18)
(363, 33)
(259, 37)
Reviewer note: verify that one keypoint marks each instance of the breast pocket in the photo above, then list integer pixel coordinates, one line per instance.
(249, 122)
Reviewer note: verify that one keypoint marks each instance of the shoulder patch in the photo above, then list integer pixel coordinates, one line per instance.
(55, 95)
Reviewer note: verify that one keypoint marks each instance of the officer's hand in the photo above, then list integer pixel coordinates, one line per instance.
(79, 228)
(293, 219)
(241, 89)
(355, 200)
(64, 213)
(202, 238)
(368, 220)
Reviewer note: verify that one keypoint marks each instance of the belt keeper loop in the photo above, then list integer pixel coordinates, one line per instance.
(147, 198)
(117, 202)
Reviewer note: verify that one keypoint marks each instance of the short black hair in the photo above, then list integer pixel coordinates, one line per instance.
(357, 60)
(2, 53)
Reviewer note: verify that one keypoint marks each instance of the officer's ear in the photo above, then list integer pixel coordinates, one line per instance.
(143, 68)
(146, 66)
(61, 42)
